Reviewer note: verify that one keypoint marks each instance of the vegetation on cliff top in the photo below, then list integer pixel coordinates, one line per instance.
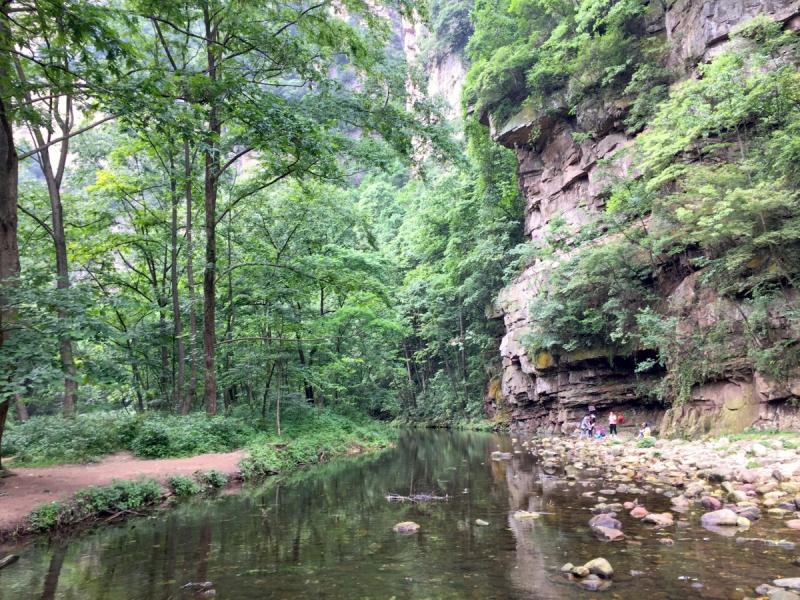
(552, 54)
(713, 194)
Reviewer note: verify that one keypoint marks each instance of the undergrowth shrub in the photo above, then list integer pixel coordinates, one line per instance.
(183, 485)
(647, 442)
(214, 478)
(119, 497)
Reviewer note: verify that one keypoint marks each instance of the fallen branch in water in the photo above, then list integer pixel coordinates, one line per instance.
(418, 498)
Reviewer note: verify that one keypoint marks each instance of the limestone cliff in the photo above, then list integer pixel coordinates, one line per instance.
(560, 176)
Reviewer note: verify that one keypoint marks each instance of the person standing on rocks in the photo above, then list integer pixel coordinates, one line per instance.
(586, 426)
(612, 424)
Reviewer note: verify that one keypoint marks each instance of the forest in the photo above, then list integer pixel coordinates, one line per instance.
(214, 207)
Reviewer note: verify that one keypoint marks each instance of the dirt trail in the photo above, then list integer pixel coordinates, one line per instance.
(30, 486)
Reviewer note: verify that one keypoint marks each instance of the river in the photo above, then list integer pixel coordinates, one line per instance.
(326, 533)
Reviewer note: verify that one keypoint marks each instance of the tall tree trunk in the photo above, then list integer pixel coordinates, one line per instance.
(463, 349)
(176, 304)
(410, 378)
(9, 250)
(22, 410)
(230, 391)
(209, 274)
(53, 179)
(189, 400)
(278, 404)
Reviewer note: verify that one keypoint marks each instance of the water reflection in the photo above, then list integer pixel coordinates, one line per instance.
(327, 533)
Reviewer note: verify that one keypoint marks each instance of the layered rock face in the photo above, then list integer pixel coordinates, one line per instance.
(559, 176)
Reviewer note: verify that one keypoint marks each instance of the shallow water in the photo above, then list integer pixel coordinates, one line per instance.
(327, 533)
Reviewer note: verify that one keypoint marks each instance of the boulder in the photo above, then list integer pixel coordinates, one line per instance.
(759, 449)
(600, 567)
(594, 584)
(723, 517)
(406, 527)
(661, 520)
(789, 583)
(720, 474)
(607, 534)
(605, 520)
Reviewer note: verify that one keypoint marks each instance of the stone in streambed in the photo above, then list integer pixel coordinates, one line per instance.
(579, 571)
(480, 522)
(524, 514)
(567, 568)
(661, 520)
(711, 503)
(789, 583)
(601, 567)
(594, 584)
(406, 527)
(719, 518)
(639, 512)
(607, 534)
(605, 520)
(793, 524)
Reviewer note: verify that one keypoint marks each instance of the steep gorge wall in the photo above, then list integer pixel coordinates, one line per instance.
(559, 176)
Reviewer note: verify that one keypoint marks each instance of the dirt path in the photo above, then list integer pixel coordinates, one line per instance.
(29, 486)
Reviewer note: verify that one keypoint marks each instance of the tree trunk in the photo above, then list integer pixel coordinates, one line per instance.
(410, 378)
(9, 250)
(3, 414)
(176, 305)
(22, 410)
(189, 400)
(209, 273)
(278, 404)
(53, 179)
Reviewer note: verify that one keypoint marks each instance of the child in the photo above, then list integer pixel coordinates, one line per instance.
(644, 431)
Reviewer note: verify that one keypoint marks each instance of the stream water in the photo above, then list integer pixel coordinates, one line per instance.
(327, 533)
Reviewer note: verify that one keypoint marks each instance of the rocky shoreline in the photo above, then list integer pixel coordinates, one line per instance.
(731, 483)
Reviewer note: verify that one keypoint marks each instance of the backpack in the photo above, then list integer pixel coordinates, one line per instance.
(621, 420)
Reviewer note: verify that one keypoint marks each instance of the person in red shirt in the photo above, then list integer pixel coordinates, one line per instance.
(612, 424)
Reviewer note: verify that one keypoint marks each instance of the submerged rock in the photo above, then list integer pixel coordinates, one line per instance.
(661, 520)
(406, 527)
(639, 512)
(719, 518)
(605, 520)
(594, 584)
(607, 534)
(481, 522)
(524, 514)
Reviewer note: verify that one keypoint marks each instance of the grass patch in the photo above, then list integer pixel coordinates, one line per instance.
(49, 440)
(647, 442)
(614, 443)
(330, 435)
(753, 464)
(120, 497)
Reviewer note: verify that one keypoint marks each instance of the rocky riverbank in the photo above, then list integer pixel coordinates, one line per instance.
(729, 484)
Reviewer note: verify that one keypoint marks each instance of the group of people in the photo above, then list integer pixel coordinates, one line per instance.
(589, 426)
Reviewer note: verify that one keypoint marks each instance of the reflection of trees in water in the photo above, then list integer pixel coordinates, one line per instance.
(325, 532)
(54, 572)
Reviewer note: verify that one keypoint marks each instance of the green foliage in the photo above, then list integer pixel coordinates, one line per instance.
(614, 443)
(552, 54)
(49, 439)
(120, 496)
(184, 485)
(645, 442)
(753, 464)
(214, 478)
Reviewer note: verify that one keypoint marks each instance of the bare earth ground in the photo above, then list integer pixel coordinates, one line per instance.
(30, 486)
